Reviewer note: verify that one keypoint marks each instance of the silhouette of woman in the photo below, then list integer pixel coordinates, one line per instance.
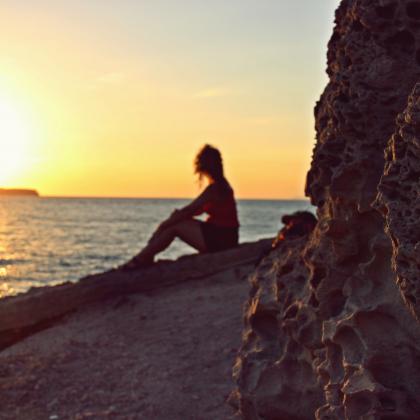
(218, 232)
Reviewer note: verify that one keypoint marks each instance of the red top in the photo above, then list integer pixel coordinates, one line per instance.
(222, 212)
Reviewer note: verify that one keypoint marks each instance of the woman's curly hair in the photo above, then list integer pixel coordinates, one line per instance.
(209, 161)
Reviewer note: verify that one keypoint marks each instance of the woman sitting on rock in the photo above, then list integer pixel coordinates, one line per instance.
(218, 232)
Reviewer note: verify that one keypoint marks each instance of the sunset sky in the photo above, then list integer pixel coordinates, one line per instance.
(114, 98)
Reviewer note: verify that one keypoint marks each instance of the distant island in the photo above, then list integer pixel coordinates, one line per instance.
(18, 192)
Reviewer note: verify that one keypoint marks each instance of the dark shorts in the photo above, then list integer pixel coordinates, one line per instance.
(219, 238)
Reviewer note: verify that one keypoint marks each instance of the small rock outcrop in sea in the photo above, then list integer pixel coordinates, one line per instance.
(18, 192)
(330, 331)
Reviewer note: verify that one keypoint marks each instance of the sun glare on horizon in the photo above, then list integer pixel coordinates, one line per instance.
(14, 139)
(114, 101)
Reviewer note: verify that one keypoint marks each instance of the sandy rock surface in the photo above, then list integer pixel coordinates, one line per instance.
(167, 354)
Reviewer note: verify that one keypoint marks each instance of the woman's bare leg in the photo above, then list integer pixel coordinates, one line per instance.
(188, 230)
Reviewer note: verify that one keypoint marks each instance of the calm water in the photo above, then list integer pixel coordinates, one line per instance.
(51, 240)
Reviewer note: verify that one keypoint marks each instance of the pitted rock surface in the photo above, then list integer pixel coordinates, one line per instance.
(276, 367)
(344, 343)
(399, 199)
(373, 63)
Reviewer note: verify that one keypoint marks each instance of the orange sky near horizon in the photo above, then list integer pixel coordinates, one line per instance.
(100, 100)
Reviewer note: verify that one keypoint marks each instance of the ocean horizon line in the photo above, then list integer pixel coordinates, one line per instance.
(133, 197)
(164, 198)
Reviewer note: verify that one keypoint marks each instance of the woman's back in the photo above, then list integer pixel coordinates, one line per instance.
(221, 207)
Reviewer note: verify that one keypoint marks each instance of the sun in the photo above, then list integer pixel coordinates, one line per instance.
(14, 137)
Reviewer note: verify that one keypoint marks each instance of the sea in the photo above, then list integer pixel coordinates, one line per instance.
(47, 241)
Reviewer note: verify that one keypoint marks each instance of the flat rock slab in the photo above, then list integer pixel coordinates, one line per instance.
(30, 312)
(163, 354)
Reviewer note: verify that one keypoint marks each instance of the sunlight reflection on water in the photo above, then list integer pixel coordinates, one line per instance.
(5, 288)
(52, 240)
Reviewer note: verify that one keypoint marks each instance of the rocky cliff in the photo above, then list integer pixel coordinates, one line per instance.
(331, 325)
(399, 201)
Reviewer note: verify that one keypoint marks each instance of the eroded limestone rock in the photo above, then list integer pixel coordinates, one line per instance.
(399, 200)
(276, 368)
(354, 343)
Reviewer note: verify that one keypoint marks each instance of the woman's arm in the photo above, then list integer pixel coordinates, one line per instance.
(192, 209)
